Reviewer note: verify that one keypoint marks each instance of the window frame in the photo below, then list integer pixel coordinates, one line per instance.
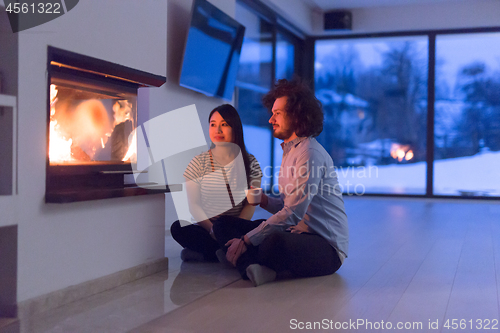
(431, 36)
(291, 33)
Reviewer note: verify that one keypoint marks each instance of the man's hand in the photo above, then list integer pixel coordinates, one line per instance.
(236, 248)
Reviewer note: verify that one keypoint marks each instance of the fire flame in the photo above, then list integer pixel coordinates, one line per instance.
(409, 155)
(78, 133)
(401, 152)
(132, 148)
(59, 146)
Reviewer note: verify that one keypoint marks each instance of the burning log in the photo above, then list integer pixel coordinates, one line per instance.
(78, 154)
(123, 126)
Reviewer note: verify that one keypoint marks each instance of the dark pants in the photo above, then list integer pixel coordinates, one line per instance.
(302, 255)
(195, 238)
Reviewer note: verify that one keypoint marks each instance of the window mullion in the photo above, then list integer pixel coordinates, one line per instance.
(430, 114)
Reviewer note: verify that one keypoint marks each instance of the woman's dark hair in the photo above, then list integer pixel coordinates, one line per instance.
(304, 109)
(232, 118)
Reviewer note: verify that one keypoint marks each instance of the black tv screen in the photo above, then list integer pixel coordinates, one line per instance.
(212, 51)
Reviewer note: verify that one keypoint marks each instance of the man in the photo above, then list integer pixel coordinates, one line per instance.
(308, 233)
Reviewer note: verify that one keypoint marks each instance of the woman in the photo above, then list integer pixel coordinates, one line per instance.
(215, 181)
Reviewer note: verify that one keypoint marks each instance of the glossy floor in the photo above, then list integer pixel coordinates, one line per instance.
(413, 264)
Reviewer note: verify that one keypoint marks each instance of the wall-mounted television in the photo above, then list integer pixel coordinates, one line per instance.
(212, 51)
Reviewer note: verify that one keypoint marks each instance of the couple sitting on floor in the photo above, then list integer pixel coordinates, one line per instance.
(308, 233)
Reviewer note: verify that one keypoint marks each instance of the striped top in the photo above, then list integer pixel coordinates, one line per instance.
(212, 178)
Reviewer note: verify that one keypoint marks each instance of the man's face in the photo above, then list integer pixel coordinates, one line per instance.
(282, 127)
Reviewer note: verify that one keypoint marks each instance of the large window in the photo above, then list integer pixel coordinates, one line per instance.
(269, 53)
(467, 109)
(413, 114)
(374, 94)
(253, 81)
(285, 69)
(285, 56)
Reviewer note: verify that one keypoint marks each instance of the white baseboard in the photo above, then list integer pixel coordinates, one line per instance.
(40, 304)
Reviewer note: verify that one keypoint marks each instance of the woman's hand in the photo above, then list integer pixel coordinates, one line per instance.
(263, 199)
(236, 247)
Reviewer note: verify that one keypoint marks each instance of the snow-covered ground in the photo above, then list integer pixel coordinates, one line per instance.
(473, 175)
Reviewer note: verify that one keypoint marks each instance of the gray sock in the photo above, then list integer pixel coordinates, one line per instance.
(260, 274)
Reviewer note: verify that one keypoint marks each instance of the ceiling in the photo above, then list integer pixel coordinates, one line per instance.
(326, 5)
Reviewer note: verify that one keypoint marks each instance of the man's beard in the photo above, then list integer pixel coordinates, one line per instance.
(282, 135)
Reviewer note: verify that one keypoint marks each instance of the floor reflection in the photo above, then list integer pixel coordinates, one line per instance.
(198, 279)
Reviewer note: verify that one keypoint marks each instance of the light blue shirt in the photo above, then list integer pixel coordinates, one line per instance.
(310, 197)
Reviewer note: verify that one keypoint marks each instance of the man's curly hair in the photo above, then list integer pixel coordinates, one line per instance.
(304, 109)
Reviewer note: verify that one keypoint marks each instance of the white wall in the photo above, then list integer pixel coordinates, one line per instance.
(442, 15)
(294, 11)
(63, 245)
(67, 244)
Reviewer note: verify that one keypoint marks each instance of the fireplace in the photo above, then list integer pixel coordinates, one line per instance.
(92, 114)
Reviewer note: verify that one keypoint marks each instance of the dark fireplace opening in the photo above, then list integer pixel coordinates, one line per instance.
(92, 115)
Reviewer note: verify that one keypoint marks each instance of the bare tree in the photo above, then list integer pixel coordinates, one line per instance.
(402, 108)
(480, 122)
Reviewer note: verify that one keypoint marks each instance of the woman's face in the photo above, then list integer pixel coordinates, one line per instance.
(220, 131)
